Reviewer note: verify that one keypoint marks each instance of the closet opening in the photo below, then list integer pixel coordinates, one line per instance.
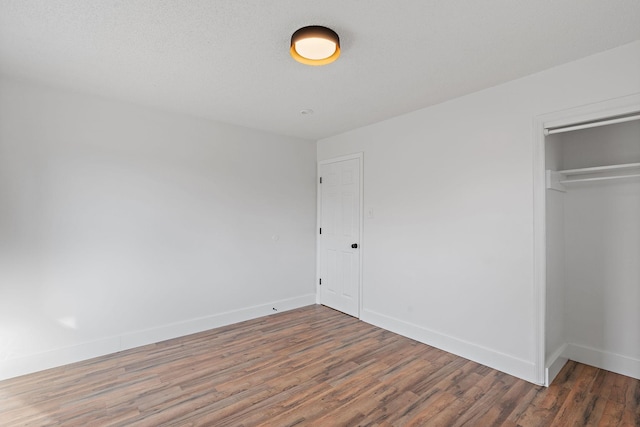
(591, 294)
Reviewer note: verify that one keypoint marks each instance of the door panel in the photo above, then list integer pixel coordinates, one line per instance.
(340, 223)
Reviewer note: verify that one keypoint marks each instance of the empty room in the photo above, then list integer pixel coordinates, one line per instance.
(336, 213)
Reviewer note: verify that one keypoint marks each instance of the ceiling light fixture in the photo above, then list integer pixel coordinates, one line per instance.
(315, 45)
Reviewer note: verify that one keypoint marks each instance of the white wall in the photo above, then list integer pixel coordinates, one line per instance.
(448, 256)
(121, 226)
(602, 235)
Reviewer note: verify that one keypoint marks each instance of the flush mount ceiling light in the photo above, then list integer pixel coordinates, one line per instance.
(315, 45)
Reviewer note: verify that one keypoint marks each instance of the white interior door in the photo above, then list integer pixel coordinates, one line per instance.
(340, 235)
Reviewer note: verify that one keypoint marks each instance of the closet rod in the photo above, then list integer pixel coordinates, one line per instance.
(596, 169)
(599, 178)
(592, 124)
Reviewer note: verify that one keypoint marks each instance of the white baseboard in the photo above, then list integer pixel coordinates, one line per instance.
(503, 362)
(555, 363)
(613, 362)
(63, 356)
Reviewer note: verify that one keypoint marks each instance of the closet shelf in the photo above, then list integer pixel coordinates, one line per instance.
(556, 180)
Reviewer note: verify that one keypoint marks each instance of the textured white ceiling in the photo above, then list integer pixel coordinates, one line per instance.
(228, 60)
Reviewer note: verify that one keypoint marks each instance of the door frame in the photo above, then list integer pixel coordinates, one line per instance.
(586, 113)
(360, 157)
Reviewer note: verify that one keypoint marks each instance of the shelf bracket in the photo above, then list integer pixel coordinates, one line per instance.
(553, 181)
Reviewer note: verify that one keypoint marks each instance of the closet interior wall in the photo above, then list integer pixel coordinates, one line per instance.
(593, 252)
(555, 334)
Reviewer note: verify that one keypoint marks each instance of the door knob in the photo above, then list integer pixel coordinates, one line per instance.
(354, 246)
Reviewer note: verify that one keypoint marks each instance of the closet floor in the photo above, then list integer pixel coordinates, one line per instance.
(310, 366)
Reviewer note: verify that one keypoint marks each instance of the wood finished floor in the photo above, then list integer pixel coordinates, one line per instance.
(311, 366)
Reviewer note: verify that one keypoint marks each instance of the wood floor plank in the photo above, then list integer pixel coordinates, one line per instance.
(314, 367)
